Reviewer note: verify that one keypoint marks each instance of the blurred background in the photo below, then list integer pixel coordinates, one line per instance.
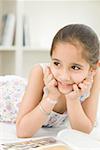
(27, 28)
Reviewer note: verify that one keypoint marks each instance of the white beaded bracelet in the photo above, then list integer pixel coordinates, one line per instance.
(45, 89)
(43, 111)
(51, 101)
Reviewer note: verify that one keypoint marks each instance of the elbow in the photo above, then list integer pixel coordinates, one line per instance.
(86, 129)
(21, 133)
(23, 136)
(89, 128)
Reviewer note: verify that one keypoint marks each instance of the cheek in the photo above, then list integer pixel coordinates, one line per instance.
(55, 72)
(79, 77)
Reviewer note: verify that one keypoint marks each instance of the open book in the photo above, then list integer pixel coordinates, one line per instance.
(66, 139)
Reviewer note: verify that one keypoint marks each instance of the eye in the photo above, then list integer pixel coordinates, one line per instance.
(75, 68)
(56, 63)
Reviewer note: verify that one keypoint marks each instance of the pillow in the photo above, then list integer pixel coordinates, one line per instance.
(12, 88)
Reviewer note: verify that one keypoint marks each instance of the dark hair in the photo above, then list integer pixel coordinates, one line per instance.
(82, 34)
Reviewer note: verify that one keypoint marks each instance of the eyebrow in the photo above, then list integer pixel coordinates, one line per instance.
(78, 65)
(55, 59)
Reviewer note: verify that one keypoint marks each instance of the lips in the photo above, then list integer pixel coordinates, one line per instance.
(66, 85)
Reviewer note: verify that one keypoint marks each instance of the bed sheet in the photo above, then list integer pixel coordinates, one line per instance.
(8, 132)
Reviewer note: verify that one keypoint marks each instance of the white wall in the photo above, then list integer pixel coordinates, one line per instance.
(46, 17)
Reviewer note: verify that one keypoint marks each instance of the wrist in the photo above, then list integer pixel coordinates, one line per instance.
(72, 98)
(51, 101)
(47, 105)
(51, 95)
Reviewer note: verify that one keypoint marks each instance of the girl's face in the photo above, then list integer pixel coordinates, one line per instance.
(68, 66)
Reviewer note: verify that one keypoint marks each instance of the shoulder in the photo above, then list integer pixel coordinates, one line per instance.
(96, 84)
(39, 67)
(36, 73)
(35, 84)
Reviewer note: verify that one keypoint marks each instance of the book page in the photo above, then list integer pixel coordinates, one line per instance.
(57, 147)
(78, 140)
(43, 143)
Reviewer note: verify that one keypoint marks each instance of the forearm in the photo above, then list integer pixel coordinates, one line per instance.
(77, 117)
(31, 122)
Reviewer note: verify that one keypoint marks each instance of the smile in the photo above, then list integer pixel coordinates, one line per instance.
(64, 84)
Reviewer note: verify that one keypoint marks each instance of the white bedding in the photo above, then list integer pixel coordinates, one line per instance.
(8, 132)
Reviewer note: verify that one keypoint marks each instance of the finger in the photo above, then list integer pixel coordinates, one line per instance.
(46, 74)
(90, 76)
(48, 78)
(83, 88)
(88, 84)
(94, 72)
(88, 81)
(76, 89)
(53, 83)
(81, 85)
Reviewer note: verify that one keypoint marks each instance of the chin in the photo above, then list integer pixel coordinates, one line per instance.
(64, 90)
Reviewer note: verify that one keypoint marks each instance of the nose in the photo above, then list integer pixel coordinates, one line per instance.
(65, 75)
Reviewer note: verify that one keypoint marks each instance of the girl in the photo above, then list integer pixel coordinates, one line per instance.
(68, 87)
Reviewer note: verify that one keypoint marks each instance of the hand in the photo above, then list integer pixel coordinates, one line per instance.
(82, 88)
(51, 84)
